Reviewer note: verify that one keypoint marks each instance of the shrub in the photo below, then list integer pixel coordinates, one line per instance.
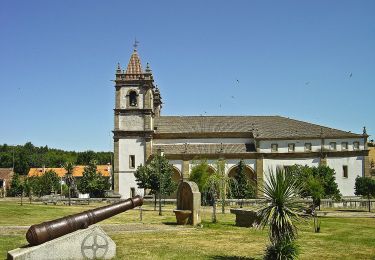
(286, 249)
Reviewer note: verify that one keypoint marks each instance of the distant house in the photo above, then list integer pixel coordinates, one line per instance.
(105, 170)
(6, 175)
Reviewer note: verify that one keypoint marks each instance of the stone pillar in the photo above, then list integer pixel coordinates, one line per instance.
(117, 121)
(147, 122)
(185, 169)
(148, 149)
(116, 164)
(366, 166)
(118, 98)
(260, 176)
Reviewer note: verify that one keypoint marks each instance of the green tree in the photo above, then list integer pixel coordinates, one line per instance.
(365, 186)
(280, 214)
(242, 188)
(15, 186)
(27, 187)
(49, 182)
(157, 177)
(317, 182)
(199, 174)
(93, 182)
(69, 179)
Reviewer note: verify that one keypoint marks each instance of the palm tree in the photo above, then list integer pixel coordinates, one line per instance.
(69, 167)
(281, 212)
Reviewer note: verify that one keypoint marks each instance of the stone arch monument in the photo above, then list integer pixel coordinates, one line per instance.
(188, 203)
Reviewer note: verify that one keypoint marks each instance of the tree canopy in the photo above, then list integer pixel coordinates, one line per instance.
(149, 177)
(28, 156)
(317, 182)
(365, 186)
(93, 182)
(243, 188)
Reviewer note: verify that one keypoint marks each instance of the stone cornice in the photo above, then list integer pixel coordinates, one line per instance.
(125, 111)
(202, 135)
(123, 134)
(256, 155)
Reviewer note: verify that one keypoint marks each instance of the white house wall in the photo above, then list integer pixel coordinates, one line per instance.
(355, 164)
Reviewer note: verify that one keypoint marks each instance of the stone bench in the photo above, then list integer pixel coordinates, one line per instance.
(245, 217)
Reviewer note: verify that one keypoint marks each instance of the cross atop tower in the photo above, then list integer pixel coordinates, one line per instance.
(135, 45)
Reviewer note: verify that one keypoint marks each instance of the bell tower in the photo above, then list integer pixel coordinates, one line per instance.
(137, 103)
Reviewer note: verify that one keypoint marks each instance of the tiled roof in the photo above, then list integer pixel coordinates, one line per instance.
(204, 148)
(6, 173)
(267, 127)
(134, 69)
(77, 171)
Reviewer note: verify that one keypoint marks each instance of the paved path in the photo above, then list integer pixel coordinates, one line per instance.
(346, 214)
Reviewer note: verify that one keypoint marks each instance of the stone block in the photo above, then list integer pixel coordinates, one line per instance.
(89, 243)
(245, 217)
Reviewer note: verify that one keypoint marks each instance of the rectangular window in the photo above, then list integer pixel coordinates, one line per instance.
(356, 145)
(345, 171)
(132, 161)
(274, 147)
(344, 146)
(291, 147)
(132, 192)
(307, 147)
(332, 146)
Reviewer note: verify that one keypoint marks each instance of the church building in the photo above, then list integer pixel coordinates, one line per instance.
(262, 142)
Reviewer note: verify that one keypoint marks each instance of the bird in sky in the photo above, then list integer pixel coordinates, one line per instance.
(350, 75)
(307, 83)
(232, 96)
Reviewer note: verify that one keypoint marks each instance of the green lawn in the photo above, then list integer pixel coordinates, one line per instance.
(340, 238)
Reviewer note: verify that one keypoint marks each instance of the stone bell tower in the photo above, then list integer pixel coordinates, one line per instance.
(137, 102)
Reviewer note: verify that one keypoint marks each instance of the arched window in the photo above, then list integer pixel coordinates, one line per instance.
(133, 98)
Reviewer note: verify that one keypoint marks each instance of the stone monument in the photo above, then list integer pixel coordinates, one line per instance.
(188, 204)
(89, 243)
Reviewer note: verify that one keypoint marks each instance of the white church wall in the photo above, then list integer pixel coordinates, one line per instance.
(126, 183)
(339, 142)
(129, 146)
(355, 167)
(204, 141)
(265, 145)
(272, 164)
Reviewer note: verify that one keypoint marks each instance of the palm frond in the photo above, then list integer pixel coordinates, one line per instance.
(283, 208)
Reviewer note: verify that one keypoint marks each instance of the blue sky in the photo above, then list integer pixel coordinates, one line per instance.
(291, 58)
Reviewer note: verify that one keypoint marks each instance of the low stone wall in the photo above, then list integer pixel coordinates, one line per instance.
(245, 217)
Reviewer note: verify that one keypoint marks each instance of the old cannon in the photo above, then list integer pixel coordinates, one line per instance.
(46, 231)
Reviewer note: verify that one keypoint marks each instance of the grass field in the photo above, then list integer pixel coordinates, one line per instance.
(340, 238)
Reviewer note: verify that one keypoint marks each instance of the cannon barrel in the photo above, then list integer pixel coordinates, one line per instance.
(46, 231)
